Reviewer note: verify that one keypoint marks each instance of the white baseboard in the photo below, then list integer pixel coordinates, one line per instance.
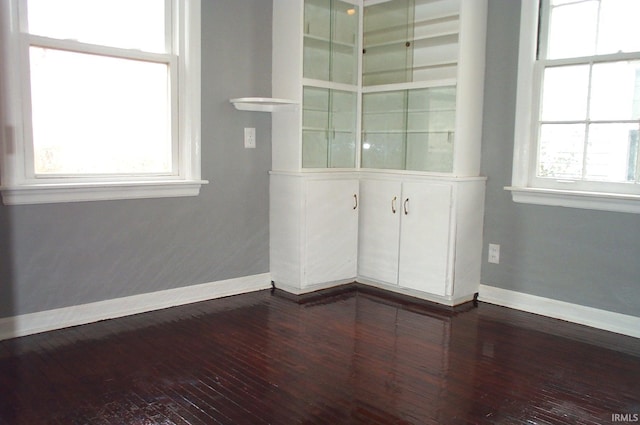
(27, 324)
(589, 316)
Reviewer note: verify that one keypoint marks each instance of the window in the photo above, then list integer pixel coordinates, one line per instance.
(578, 107)
(100, 99)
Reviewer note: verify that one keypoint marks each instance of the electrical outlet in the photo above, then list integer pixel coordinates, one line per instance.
(494, 253)
(250, 138)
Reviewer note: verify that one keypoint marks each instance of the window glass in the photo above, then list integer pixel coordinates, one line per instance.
(611, 152)
(615, 91)
(561, 151)
(99, 115)
(565, 93)
(131, 24)
(618, 30)
(582, 19)
(590, 27)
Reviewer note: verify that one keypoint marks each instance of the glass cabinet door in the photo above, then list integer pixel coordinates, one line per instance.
(431, 120)
(410, 40)
(386, 57)
(384, 123)
(315, 127)
(331, 41)
(342, 124)
(344, 47)
(317, 39)
(409, 129)
(328, 128)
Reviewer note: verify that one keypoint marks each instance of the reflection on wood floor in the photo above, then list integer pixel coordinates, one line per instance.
(355, 357)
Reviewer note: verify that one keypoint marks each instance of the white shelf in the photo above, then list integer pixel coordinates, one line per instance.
(261, 104)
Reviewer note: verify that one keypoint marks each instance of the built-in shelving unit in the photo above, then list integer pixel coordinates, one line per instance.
(375, 177)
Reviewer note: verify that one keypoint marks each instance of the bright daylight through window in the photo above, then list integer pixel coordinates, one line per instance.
(102, 99)
(578, 111)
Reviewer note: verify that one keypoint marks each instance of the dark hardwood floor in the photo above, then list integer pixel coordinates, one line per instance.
(357, 357)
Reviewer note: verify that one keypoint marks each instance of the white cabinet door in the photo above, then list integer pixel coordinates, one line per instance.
(331, 247)
(379, 230)
(424, 236)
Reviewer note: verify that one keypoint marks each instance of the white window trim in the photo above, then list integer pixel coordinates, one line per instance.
(522, 189)
(18, 188)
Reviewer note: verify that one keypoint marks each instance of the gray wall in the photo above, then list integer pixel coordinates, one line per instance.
(61, 255)
(584, 257)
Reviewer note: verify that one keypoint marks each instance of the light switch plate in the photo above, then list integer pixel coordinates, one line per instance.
(494, 253)
(249, 138)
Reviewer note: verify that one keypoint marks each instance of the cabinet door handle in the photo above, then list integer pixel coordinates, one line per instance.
(355, 201)
(393, 204)
(405, 205)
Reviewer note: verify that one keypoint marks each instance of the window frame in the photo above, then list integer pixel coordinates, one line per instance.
(526, 187)
(20, 185)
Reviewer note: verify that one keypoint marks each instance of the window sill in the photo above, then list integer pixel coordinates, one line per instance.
(575, 199)
(81, 192)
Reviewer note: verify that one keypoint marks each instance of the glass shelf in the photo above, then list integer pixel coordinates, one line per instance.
(325, 43)
(433, 65)
(393, 44)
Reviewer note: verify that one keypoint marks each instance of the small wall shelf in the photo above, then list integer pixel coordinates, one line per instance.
(261, 104)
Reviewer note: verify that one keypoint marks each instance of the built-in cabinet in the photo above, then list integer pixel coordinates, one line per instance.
(375, 166)
(404, 227)
(314, 230)
(421, 235)
(314, 201)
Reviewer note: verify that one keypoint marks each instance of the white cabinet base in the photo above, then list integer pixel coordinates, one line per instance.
(448, 301)
(313, 220)
(326, 231)
(421, 236)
